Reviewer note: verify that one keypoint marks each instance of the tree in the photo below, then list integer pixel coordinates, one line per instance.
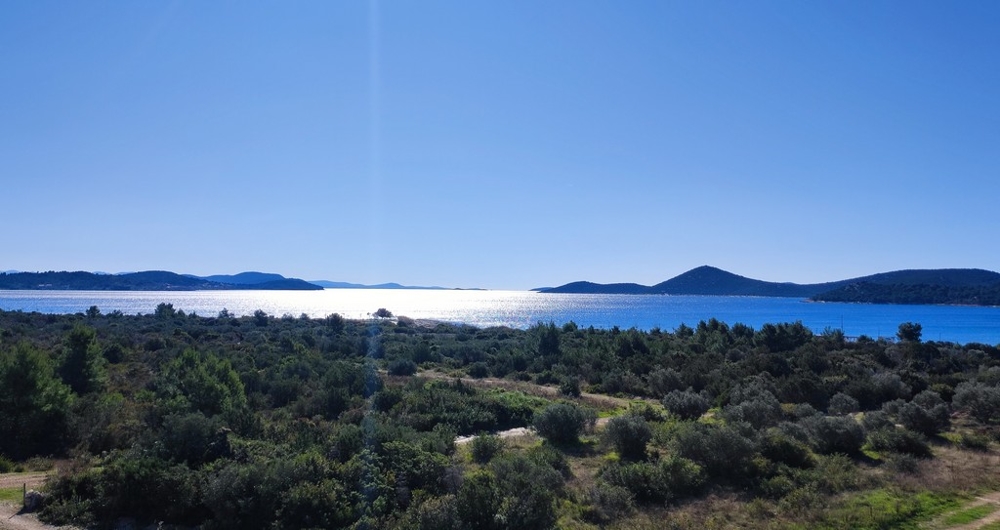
(927, 414)
(686, 404)
(562, 423)
(548, 340)
(629, 434)
(909, 332)
(479, 500)
(82, 365)
(165, 311)
(209, 384)
(383, 313)
(33, 404)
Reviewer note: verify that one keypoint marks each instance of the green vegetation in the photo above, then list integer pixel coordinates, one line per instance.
(11, 495)
(920, 286)
(293, 422)
(969, 515)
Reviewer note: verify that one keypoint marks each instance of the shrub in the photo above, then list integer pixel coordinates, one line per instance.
(778, 447)
(6, 465)
(721, 449)
(629, 435)
(479, 370)
(834, 434)
(875, 420)
(485, 447)
(608, 503)
(927, 414)
(649, 483)
(562, 423)
(570, 386)
(402, 367)
(981, 401)
(974, 441)
(841, 404)
(760, 411)
(900, 441)
(686, 404)
(437, 513)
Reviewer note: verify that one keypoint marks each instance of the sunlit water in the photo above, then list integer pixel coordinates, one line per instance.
(520, 309)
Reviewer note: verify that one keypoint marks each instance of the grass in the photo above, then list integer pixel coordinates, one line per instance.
(14, 495)
(969, 515)
(991, 526)
(890, 508)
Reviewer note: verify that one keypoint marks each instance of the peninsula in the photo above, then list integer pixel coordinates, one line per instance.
(915, 286)
(148, 281)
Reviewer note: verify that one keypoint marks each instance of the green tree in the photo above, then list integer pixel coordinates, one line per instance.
(33, 403)
(479, 500)
(82, 365)
(909, 332)
(629, 434)
(562, 423)
(209, 384)
(165, 311)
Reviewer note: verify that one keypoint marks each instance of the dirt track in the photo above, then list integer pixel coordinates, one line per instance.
(10, 519)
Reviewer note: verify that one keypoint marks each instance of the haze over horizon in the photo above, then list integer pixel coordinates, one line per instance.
(507, 146)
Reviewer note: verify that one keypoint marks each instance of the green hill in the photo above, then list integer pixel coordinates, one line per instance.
(915, 286)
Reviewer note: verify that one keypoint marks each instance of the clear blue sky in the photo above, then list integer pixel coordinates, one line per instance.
(510, 144)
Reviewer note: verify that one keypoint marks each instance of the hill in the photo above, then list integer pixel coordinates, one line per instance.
(915, 286)
(243, 278)
(136, 281)
(347, 285)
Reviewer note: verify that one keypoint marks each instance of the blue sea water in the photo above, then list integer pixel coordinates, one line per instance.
(520, 309)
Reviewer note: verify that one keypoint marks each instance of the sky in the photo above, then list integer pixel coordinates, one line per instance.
(503, 145)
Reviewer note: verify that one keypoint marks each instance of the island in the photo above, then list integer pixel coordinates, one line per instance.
(148, 281)
(913, 286)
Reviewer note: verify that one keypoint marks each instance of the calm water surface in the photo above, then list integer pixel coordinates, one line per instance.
(520, 309)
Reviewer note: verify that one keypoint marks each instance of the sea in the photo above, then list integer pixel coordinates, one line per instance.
(521, 309)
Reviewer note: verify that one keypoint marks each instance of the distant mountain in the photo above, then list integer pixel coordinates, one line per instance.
(702, 280)
(599, 288)
(345, 285)
(919, 286)
(707, 280)
(136, 281)
(243, 278)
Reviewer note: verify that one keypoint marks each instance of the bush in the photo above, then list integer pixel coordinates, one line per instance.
(974, 441)
(649, 483)
(721, 449)
(899, 441)
(479, 370)
(841, 404)
(834, 434)
(686, 404)
(608, 503)
(485, 447)
(570, 386)
(981, 401)
(629, 435)
(562, 423)
(875, 420)
(402, 367)
(6, 465)
(760, 411)
(778, 447)
(927, 414)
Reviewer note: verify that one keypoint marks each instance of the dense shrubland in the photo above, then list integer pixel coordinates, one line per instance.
(292, 422)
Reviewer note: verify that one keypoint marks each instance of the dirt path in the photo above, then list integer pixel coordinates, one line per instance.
(598, 401)
(991, 498)
(16, 480)
(10, 516)
(517, 432)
